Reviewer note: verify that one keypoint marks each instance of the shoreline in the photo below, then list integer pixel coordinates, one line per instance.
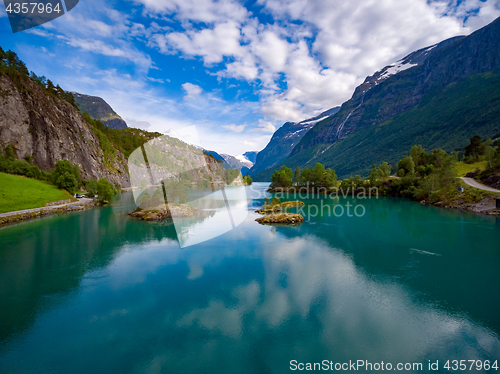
(27, 214)
(486, 206)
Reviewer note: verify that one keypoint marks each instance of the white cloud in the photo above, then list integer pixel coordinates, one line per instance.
(211, 44)
(100, 47)
(320, 61)
(297, 68)
(156, 80)
(235, 128)
(265, 127)
(206, 11)
(37, 32)
(138, 124)
(192, 90)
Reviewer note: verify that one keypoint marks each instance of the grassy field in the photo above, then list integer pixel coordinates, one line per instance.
(463, 168)
(18, 193)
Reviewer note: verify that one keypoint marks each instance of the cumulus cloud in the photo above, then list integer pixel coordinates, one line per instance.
(303, 67)
(192, 90)
(211, 44)
(265, 127)
(206, 11)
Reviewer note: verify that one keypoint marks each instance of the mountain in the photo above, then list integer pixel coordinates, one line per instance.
(251, 156)
(237, 162)
(100, 110)
(283, 141)
(37, 123)
(170, 159)
(438, 96)
(217, 157)
(241, 162)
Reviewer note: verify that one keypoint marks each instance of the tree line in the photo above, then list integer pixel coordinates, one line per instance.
(420, 175)
(12, 66)
(313, 178)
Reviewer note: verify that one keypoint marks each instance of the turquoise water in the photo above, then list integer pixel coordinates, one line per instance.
(100, 292)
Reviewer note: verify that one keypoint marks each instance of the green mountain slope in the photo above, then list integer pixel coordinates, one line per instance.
(445, 119)
(100, 110)
(438, 96)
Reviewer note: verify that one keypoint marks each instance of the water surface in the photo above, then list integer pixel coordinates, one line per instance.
(100, 292)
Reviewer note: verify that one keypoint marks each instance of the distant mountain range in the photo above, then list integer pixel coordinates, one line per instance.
(99, 109)
(438, 96)
(242, 162)
(283, 141)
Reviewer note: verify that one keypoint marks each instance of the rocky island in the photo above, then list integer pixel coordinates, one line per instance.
(281, 218)
(165, 211)
(274, 213)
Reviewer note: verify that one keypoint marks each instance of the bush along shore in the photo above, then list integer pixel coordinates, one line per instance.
(430, 178)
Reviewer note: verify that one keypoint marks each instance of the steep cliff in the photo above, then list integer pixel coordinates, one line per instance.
(50, 129)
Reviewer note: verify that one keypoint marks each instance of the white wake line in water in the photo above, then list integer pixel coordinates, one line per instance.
(424, 252)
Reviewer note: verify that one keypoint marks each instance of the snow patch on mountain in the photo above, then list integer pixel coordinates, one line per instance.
(313, 122)
(395, 68)
(306, 125)
(244, 160)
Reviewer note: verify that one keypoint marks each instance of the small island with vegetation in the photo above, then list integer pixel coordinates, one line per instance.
(275, 212)
(164, 211)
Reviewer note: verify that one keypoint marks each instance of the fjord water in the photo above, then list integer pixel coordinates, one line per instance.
(99, 292)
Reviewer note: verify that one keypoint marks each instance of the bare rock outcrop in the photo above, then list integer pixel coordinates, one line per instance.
(50, 129)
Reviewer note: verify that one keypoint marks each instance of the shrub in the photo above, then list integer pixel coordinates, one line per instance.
(65, 166)
(68, 182)
(105, 189)
(275, 201)
(91, 187)
(247, 180)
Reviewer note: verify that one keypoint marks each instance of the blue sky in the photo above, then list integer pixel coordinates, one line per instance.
(236, 70)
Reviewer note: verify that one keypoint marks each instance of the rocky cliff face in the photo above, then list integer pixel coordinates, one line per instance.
(50, 129)
(99, 109)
